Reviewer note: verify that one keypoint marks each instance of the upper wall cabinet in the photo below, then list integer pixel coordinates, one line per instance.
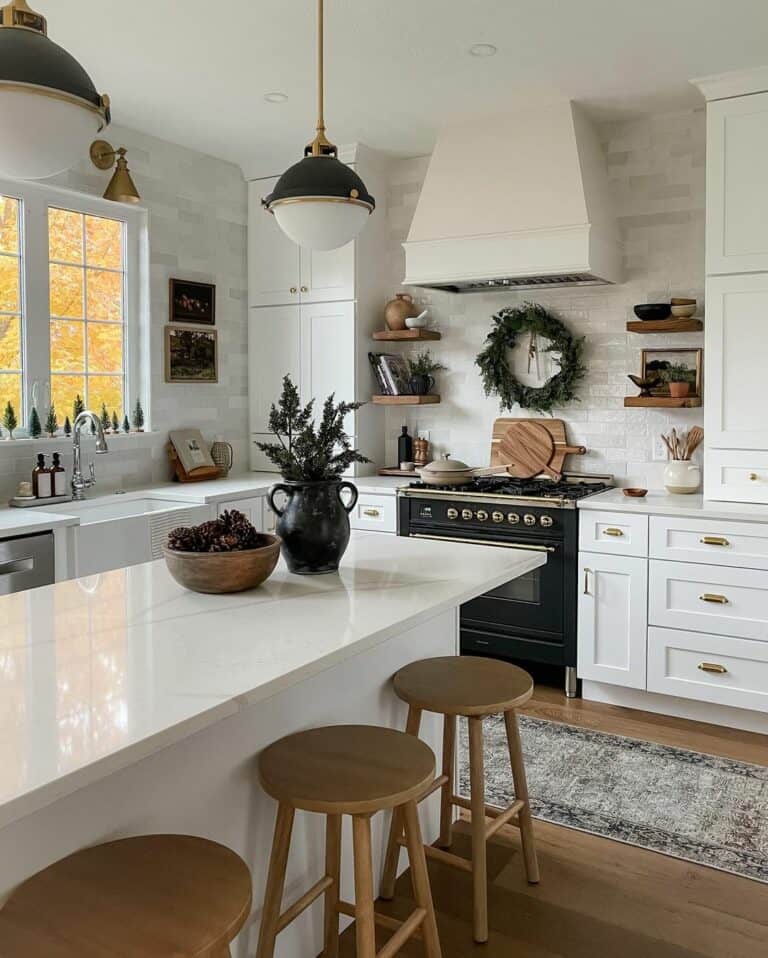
(280, 272)
(737, 184)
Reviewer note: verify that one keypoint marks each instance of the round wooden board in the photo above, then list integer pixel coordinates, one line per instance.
(527, 448)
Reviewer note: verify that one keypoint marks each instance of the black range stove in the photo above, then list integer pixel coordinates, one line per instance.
(533, 618)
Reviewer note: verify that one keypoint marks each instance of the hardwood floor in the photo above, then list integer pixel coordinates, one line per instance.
(599, 898)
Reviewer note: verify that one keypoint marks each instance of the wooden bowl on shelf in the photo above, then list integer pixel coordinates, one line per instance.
(634, 493)
(218, 572)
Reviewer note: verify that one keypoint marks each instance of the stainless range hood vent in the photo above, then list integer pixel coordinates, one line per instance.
(518, 201)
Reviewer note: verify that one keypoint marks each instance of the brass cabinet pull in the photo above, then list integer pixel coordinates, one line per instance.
(612, 532)
(293, 289)
(586, 581)
(713, 597)
(371, 512)
(753, 477)
(714, 541)
(305, 289)
(712, 667)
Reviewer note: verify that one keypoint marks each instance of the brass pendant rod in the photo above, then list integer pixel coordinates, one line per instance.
(320, 69)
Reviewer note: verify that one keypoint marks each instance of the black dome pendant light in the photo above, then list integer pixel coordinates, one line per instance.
(49, 108)
(319, 202)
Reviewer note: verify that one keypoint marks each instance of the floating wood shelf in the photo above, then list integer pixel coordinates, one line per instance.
(663, 402)
(393, 471)
(405, 335)
(671, 325)
(405, 400)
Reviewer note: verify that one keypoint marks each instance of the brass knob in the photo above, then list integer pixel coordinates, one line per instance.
(482, 515)
(305, 289)
(293, 289)
(467, 514)
(529, 520)
(753, 477)
(453, 513)
(547, 522)
(497, 516)
(513, 517)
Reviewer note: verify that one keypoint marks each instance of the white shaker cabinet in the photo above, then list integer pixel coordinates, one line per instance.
(612, 619)
(274, 351)
(737, 185)
(280, 272)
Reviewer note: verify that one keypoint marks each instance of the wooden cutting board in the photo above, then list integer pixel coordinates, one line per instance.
(527, 448)
(556, 429)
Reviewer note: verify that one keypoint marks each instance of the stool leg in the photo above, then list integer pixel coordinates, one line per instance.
(332, 868)
(521, 792)
(420, 877)
(392, 856)
(273, 896)
(365, 925)
(446, 806)
(477, 801)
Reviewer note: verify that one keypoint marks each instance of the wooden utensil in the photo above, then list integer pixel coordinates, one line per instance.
(527, 449)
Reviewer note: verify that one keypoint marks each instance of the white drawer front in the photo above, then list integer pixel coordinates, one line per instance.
(735, 475)
(708, 599)
(714, 542)
(613, 532)
(709, 668)
(374, 513)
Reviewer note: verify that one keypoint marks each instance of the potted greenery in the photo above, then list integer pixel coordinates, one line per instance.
(678, 379)
(314, 523)
(421, 367)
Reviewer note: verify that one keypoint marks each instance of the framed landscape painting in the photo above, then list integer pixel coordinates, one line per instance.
(190, 355)
(192, 302)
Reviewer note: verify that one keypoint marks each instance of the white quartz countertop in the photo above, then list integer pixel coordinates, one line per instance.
(98, 673)
(21, 522)
(659, 503)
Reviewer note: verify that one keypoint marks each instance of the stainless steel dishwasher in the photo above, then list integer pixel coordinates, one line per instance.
(26, 562)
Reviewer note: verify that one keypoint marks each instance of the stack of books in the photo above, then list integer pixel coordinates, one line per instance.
(392, 374)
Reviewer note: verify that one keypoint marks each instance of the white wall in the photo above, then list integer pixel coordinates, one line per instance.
(656, 169)
(197, 230)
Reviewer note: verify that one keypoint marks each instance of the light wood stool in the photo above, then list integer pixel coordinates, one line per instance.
(352, 770)
(155, 896)
(472, 687)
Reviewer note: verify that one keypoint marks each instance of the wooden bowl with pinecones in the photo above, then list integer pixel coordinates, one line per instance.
(223, 555)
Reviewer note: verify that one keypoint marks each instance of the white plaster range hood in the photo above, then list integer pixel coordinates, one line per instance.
(515, 201)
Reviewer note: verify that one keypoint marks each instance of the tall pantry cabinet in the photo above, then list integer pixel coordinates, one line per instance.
(312, 313)
(736, 356)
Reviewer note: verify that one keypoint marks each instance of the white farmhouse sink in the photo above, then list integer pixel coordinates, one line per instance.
(117, 507)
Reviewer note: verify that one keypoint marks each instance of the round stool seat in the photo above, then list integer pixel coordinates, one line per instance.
(154, 895)
(346, 769)
(463, 685)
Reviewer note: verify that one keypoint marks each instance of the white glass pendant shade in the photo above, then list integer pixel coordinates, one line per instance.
(319, 223)
(42, 135)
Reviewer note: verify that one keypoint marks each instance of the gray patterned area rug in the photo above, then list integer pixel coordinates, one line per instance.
(705, 809)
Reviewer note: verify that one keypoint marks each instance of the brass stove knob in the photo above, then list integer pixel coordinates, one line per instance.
(467, 514)
(481, 515)
(497, 516)
(513, 517)
(453, 513)
(547, 522)
(529, 520)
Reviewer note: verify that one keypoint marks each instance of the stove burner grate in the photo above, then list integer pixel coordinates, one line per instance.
(523, 488)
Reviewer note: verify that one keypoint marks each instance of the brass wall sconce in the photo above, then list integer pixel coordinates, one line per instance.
(121, 188)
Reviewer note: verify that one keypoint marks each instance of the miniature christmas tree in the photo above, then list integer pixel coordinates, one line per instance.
(35, 429)
(77, 407)
(104, 419)
(9, 419)
(52, 423)
(115, 422)
(138, 417)
(67, 426)
(126, 425)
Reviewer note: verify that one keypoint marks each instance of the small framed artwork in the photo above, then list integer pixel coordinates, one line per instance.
(191, 355)
(192, 302)
(676, 366)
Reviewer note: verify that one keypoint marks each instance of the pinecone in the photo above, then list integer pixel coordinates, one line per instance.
(231, 532)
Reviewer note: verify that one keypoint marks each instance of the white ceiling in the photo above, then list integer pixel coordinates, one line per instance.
(195, 71)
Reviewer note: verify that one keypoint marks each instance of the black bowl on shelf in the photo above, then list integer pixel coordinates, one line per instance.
(650, 311)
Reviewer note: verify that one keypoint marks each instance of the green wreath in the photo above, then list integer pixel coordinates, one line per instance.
(498, 378)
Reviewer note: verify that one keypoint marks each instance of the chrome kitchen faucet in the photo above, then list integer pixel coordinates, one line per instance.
(79, 482)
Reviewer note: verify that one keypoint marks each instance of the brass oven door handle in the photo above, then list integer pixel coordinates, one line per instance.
(714, 541)
(712, 667)
(612, 532)
(374, 513)
(713, 597)
(487, 542)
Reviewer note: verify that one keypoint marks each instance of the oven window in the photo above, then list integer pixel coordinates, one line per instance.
(525, 589)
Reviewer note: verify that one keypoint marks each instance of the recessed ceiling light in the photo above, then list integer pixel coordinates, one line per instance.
(482, 50)
(275, 97)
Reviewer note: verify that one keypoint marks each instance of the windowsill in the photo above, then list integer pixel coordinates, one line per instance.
(116, 441)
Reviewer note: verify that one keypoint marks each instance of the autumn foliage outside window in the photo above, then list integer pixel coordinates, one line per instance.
(10, 303)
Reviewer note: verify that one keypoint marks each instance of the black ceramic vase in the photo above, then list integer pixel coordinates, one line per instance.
(313, 524)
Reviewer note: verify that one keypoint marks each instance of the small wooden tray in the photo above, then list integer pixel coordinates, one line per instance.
(393, 471)
(29, 502)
